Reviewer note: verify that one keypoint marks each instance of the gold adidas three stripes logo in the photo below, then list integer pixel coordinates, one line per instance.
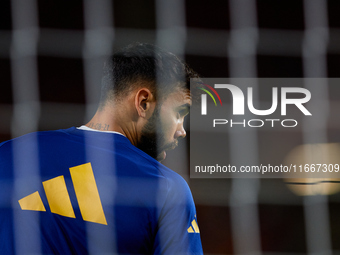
(59, 200)
(194, 227)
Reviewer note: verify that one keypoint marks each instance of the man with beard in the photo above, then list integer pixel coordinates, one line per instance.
(100, 188)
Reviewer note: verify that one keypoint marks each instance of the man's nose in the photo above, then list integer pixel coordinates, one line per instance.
(180, 133)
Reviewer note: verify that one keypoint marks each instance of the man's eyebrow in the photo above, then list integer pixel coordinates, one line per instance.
(185, 107)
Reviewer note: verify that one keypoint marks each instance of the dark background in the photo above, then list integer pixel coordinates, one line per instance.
(63, 97)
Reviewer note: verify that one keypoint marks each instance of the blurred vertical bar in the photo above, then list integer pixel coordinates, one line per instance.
(171, 26)
(26, 112)
(315, 129)
(171, 36)
(243, 141)
(24, 67)
(97, 47)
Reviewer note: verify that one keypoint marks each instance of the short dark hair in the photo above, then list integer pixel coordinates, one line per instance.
(145, 63)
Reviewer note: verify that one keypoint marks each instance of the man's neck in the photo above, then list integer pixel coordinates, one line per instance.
(83, 127)
(111, 121)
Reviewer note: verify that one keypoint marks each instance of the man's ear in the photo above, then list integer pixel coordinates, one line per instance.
(144, 102)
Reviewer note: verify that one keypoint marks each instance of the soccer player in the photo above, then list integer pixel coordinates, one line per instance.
(100, 188)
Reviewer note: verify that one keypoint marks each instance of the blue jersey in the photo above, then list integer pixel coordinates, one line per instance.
(77, 192)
